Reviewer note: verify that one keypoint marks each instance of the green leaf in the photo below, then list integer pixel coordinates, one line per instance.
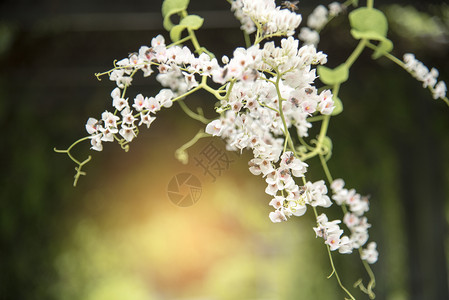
(371, 24)
(171, 7)
(338, 106)
(369, 20)
(333, 76)
(190, 22)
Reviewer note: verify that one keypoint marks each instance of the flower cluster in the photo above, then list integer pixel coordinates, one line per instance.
(428, 78)
(177, 67)
(317, 20)
(354, 220)
(267, 102)
(265, 13)
(106, 129)
(271, 92)
(331, 233)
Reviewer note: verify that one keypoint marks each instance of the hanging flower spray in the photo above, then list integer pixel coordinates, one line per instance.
(266, 101)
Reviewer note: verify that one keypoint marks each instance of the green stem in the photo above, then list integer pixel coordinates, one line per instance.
(304, 143)
(281, 114)
(181, 154)
(370, 3)
(368, 290)
(126, 86)
(349, 2)
(334, 271)
(247, 39)
(356, 53)
(67, 151)
(228, 92)
(80, 164)
(319, 143)
(214, 92)
(198, 87)
(316, 118)
(372, 283)
(192, 114)
(326, 169)
(181, 41)
(269, 107)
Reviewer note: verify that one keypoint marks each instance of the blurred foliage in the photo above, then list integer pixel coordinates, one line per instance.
(411, 23)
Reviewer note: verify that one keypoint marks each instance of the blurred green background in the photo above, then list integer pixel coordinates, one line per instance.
(117, 235)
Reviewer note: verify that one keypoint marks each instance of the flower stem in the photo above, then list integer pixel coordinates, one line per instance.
(193, 115)
(334, 271)
(80, 164)
(356, 53)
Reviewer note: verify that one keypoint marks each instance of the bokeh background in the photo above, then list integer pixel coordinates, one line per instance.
(116, 236)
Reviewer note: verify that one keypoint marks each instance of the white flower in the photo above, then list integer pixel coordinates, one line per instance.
(335, 8)
(92, 126)
(120, 103)
(127, 116)
(345, 245)
(360, 207)
(124, 81)
(318, 18)
(164, 97)
(254, 166)
(147, 53)
(296, 208)
(359, 238)
(439, 90)
(351, 220)
(108, 134)
(146, 119)
(109, 119)
(277, 216)
(309, 36)
(190, 80)
(153, 105)
(277, 202)
(158, 41)
(214, 127)
(370, 254)
(140, 102)
(326, 105)
(272, 189)
(116, 75)
(315, 194)
(288, 160)
(95, 141)
(322, 219)
(115, 93)
(333, 241)
(337, 185)
(127, 133)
